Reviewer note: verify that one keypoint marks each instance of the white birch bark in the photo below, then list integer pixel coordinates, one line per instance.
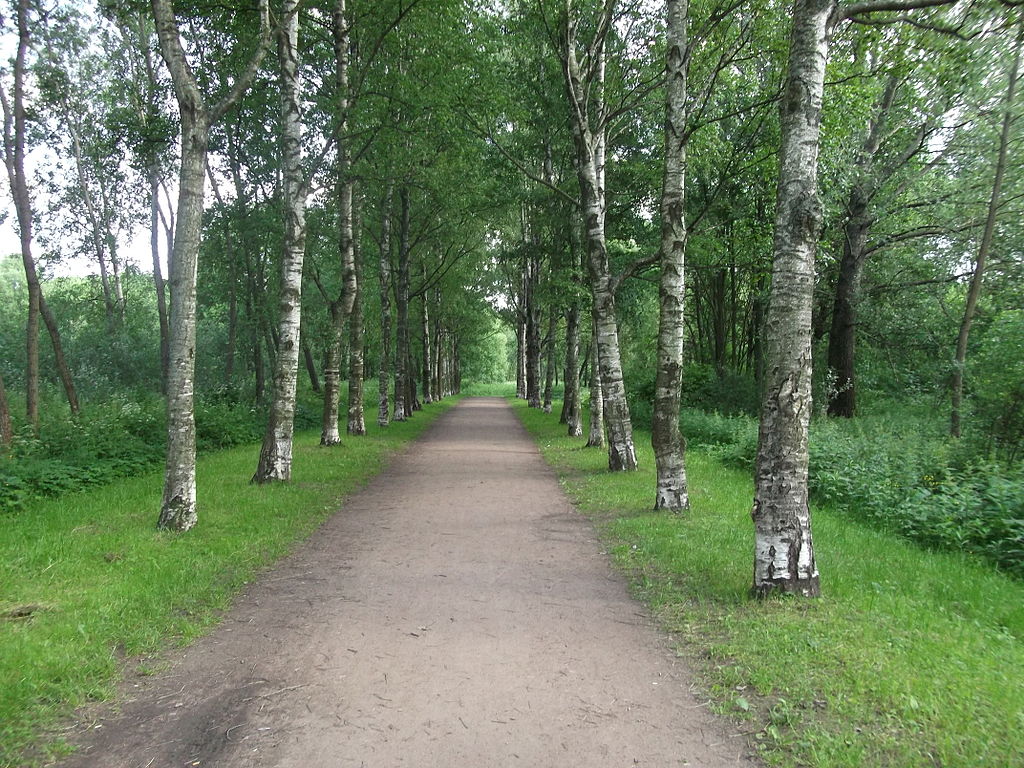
(571, 409)
(671, 492)
(596, 436)
(356, 412)
(403, 406)
(784, 554)
(178, 509)
(384, 373)
(275, 462)
(329, 434)
(429, 392)
(589, 162)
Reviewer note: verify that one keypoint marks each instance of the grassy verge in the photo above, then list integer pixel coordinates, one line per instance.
(102, 588)
(911, 658)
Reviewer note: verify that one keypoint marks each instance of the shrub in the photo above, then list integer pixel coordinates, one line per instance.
(900, 473)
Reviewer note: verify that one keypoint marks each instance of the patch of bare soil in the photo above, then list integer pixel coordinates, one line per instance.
(457, 612)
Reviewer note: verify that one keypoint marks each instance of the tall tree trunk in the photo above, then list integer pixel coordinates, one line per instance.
(571, 400)
(356, 409)
(974, 290)
(14, 159)
(341, 308)
(589, 169)
(842, 337)
(275, 462)
(596, 436)
(158, 279)
(356, 418)
(329, 431)
(403, 405)
(229, 363)
(533, 346)
(63, 372)
(671, 492)
(384, 375)
(427, 376)
(784, 554)
(521, 355)
(549, 374)
(178, 509)
(314, 380)
(439, 391)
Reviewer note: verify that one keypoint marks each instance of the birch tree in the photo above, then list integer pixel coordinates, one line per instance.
(583, 85)
(671, 492)
(275, 463)
(14, 144)
(783, 550)
(178, 508)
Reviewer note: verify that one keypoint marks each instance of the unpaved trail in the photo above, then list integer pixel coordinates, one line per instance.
(456, 613)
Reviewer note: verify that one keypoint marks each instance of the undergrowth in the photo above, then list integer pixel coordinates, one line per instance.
(911, 657)
(122, 437)
(86, 580)
(900, 473)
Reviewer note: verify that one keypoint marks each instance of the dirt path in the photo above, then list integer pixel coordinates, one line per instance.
(457, 613)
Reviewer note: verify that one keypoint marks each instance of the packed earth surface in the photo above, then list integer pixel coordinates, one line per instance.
(455, 612)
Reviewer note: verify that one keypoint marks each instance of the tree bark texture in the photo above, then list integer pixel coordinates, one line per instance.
(178, 508)
(784, 555)
(275, 463)
(549, 370)
(671, 491)
(384, 374)
(589, 167)
(403, 404)
(14, 159)
(356, 409)
(307, 356)
(842, 337)
(356, 417)
(974, 290)
(531, 281)
(571, 399)
(428, 394)
(329, 432)
(63, 371)
(596, 435)
(521, 355)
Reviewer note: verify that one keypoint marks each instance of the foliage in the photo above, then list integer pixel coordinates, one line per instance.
(910, 658)
(109, 590)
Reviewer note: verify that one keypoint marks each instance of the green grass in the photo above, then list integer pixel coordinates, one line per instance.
(911, 657)
(109, 591)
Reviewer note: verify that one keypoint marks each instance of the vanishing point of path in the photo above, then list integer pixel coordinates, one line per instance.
(456, 613)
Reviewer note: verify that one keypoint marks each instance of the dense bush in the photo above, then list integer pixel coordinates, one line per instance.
(902, 474)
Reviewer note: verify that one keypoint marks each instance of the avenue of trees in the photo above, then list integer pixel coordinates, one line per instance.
(640, 206)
